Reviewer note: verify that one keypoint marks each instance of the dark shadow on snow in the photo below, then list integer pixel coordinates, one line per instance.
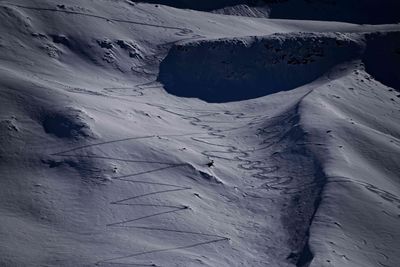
(382, 58)
(227, 70)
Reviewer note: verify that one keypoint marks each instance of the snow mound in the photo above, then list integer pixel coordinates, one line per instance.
(70, 123)
(243, 68)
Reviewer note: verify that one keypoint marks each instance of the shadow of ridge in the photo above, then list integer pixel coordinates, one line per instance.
(226, 70)
(306, 256)
(383, 49)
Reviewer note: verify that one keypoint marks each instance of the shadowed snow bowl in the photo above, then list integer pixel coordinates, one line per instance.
(237, 69)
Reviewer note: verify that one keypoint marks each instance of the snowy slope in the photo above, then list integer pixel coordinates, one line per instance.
(205, 5)
(135, 134)
(357, 221)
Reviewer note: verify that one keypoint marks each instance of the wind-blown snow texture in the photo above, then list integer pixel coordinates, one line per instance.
(199, 133)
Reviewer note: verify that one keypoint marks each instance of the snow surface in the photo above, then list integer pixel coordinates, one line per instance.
(137, 134)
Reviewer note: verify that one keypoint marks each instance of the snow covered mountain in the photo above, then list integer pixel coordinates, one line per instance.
(199, 133)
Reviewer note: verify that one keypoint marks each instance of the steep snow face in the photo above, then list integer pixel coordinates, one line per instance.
(244, 10)
(102, 166)
(239, 69)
